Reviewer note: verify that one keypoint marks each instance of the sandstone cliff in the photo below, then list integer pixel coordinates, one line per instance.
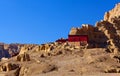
(112, 13)
(110, 26)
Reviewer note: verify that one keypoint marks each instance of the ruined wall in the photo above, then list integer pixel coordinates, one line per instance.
(96, 38)
(74, 43)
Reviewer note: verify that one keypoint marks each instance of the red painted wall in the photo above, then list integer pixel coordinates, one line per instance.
(74, 38)
(77, 38)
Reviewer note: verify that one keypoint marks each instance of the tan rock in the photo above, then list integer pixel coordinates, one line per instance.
(45, 48)
(112, 70)
(8, 67)
(23, 57)
(111, 29)
(112, 13)
(4, 59)
(23, 71)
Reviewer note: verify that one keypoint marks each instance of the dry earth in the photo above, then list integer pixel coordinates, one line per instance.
(87, 62)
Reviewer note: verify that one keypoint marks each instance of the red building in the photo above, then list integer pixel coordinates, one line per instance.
(77, 40)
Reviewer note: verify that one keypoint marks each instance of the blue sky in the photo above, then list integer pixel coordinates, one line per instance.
(41, 21)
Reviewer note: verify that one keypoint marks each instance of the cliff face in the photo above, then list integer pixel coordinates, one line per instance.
(9, 50)
(105, 32)
(110, 26)
(112, 13)
(3, 53)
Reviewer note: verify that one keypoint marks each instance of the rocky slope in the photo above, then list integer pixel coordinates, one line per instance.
(62, 59)
(9, 50)
(65, 62)
(111, 28)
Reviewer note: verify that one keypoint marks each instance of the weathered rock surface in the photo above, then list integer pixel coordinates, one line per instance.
(75, 62)
(9, 50)
(112, 13)
(23, 57)
(3, 52)
(112, 69)
(13, 49)
(110, 26)
(6, 67)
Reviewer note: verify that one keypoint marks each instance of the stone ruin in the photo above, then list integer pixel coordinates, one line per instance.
(96, 38)
(105, 33)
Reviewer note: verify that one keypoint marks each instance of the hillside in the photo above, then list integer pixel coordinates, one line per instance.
(99, 56)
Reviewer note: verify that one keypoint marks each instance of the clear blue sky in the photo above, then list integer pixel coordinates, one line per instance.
(41, 21)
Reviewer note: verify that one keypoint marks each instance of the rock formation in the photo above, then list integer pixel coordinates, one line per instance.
(106, 32)
(13, 49)
(112, 13)
(110, 26)
(3, 52)
(23, 57)
(112, 69)
(8, 67)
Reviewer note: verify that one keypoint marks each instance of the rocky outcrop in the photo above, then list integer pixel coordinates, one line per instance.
(26, 48)
(36, 69)
(23, 57)
(106, 33)
(9, 50)
(13, 49)
(6, 67)
(3, 53)
(112, 69)
(110, 26)
(112, 13)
